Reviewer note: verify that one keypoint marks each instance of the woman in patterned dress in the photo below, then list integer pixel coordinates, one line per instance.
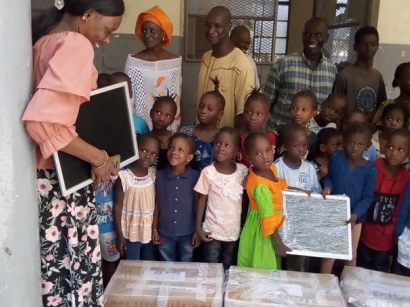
(64, 39)
(154, 71)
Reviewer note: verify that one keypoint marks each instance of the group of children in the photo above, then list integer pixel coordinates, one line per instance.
(189, 190)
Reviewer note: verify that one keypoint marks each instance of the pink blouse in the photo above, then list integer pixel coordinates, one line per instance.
(64, 76)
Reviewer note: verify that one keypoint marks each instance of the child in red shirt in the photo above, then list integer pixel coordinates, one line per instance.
(377, 236)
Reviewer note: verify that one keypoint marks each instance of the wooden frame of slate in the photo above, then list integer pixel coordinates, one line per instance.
(105, 122)
(316, 227)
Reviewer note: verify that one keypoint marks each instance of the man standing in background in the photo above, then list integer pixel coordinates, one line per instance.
(241, 38)
(308, 69)
(227, 64)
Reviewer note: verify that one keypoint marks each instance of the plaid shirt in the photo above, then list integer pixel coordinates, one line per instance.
(293, 74)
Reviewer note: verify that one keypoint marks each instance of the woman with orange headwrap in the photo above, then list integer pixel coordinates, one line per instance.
(154, 71)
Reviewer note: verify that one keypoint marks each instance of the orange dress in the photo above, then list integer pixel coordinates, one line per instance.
(256, 248)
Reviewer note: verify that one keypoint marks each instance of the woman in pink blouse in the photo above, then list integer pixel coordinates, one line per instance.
(64, 39)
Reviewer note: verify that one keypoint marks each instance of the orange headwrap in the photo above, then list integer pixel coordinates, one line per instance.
(157, 16)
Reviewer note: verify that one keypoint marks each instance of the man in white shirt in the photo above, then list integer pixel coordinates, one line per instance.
(241, 38)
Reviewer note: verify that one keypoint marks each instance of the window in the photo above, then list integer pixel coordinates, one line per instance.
(267, 20)
(345, 17)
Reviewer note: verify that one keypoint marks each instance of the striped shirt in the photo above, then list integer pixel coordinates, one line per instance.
(293, 74)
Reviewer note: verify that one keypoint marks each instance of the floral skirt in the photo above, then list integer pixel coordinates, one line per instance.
(70, 250)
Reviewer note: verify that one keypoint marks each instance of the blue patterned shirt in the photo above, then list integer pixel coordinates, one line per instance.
(293, 74)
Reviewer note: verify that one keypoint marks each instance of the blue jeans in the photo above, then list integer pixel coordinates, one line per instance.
(176, 248)
(139, 251)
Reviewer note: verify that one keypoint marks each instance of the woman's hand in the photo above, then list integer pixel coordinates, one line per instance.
(105, 172)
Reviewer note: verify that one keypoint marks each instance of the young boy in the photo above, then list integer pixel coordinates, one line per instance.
(302, 109)
(358, 116)
(298, 173)
(363, 84)
(329, 140)
(333, 109)
(377, 237)
(241, 38)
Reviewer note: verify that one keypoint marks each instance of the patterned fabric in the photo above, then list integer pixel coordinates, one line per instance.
(150, 79)
(69, 245)
(293, 74)
(138, 205)
(203, 150)
(224, 203)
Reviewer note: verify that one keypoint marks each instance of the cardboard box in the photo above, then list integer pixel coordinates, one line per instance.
(366, 288)
(165, 284)
(258, 287)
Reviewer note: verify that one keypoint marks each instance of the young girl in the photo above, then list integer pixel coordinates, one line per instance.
(255, 114)
(209, 113)
(302, 109)
(329, 140)
(394, 117)
(135, 202)
(332, 111)
(401, 77)
(352, 175)
(174, 219)
(260, 245)
(163, 115)
(377, 236)
(220, 189)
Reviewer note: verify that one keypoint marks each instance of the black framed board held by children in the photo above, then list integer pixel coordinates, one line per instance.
(105, 122)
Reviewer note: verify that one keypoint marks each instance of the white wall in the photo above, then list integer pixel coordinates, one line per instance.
(394, 21)
(19, 242)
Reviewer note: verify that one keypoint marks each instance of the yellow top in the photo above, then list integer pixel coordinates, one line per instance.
(236, 77)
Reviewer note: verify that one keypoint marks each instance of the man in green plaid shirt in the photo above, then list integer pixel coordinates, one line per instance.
(308, 69)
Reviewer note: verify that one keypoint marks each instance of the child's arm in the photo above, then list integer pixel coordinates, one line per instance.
(155, 235)
(117, 213)
(201, 206)
(316, 188)
(280, 248)
(270, 220)
(364, 204)
(327, 181)
(403, 216)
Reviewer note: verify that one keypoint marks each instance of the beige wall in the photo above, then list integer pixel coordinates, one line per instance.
(393, 22)
(173, 8)
(300, 12)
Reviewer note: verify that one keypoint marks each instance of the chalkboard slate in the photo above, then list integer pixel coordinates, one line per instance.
(105, 122)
